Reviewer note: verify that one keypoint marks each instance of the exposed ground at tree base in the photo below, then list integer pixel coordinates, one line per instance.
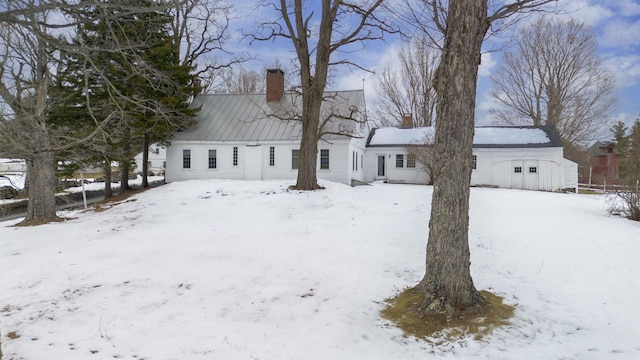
(404, 311)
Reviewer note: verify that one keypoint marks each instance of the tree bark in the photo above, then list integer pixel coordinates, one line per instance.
(124, 176)
(41, 207)
(145, 161)
(125, 166)
(108, 177)
(447, 285)
(307, 171)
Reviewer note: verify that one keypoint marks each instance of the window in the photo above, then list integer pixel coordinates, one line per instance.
(186, 159)
(156, 151)
(235, 156)
(517, 169)
(295, 156)
(324, 159)
(272, 156)
(411, 160)
(474, 162)
(399, 160)
(533, 169)
(353, 160)
(164, 164)
(213, 159)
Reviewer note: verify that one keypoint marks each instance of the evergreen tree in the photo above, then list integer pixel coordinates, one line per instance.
(143, 90)
(632, 161)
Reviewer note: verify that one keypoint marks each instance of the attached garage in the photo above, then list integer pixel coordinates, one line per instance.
(523, 157)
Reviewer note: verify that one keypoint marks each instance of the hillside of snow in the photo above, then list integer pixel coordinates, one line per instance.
(252, 270)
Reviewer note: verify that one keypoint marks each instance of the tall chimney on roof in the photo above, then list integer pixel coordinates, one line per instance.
(275, 85)
(197, 87)
(407, 121)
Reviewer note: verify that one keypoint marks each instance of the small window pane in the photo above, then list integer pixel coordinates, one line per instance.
(235, 156)
(324, 159)
(411, 160)
(213, 159)
(399, 160)
(186, 159)
(353, 160)
(272, 156)
(517, 169)
(533, 170)
(474, 161)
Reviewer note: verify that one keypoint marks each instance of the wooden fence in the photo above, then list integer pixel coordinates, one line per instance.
(604, 188)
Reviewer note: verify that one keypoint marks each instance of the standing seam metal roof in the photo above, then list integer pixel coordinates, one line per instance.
(249, 117)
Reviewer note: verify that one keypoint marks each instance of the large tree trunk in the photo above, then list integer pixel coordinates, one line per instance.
(447, 285)
(145, 161)
(41, 207)
(125, 166)
(307, 167)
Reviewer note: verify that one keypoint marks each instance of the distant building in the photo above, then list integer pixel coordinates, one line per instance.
(157, 160)
(603, 160)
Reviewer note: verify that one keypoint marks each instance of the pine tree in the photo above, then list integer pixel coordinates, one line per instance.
(143, 89)
(632, 161)
(620, 136)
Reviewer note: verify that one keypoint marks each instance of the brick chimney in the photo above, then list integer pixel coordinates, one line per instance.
(407, 121)
(197, 87)
(275, 85)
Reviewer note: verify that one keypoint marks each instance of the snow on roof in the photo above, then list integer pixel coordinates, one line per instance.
(395, 136)
(509, 136)
(484, 136)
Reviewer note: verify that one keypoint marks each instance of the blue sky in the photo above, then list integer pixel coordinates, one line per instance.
(616, 24)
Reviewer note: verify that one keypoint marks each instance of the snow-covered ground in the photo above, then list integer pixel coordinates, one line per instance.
(90, 185)
(250, 270)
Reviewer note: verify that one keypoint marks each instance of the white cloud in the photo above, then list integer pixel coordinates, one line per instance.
(627, 7)
(619, 33)
(380, 59)
(583, 10)
(627, 118)
(486, 64)
(626, 69)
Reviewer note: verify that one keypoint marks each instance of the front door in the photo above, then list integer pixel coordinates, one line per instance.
(381, 159)
(253, 162)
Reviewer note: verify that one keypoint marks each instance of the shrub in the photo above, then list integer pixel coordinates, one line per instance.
(625, 203)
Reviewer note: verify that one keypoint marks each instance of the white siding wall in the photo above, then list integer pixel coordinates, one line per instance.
(339, 161)
(392, 173)
(496, 167)
(356, 168)
(570, 175)
(157, 160)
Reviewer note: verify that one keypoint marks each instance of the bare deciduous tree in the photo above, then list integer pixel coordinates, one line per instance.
(408, 90)
(237, 80)
(341, 26)
(34, 34)
(554, 77)
(422, 150)
(447, 287)
(25, 71)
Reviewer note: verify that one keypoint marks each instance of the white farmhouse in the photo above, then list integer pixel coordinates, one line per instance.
(524, 157)
(257, 136)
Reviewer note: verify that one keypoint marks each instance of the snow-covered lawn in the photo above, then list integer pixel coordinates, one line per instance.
(250, 270)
